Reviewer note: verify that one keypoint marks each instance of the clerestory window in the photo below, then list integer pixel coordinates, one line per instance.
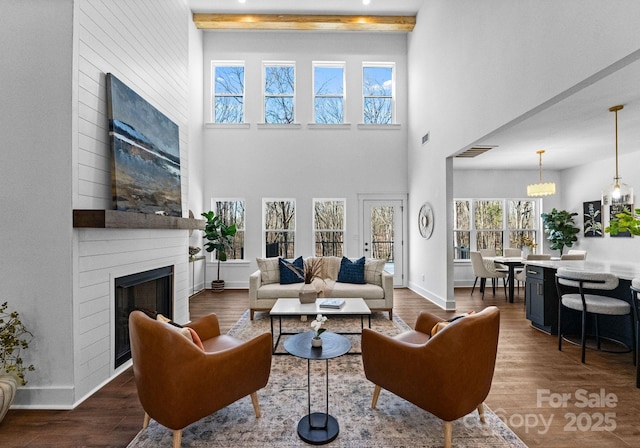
(279, 92)
(378, 93)
(228, 92)
(328, 92)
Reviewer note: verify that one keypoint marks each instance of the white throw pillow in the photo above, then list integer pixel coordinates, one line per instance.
(269, 270)
(373, 268)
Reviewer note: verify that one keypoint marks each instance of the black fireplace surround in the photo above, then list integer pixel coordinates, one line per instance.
(151, 291)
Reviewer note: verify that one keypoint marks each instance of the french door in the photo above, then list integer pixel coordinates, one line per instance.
(383, 234)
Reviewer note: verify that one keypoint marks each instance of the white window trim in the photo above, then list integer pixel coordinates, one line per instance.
(212, 97)
(266, 64)
(313, 223)
(391, 65)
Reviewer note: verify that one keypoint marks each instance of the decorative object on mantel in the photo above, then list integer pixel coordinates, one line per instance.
(592, 217)
(541, 189)
(617, 192)
(623, 222)
(219, 238)
(560, 227)
(193, 251)
(13, 337)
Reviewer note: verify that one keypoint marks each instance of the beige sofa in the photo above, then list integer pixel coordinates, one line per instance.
(265, 287)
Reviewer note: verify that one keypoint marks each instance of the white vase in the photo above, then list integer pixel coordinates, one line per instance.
(8, 387)
(316, 342)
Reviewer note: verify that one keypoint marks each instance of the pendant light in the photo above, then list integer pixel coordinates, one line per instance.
(617, 193)
(541, 189)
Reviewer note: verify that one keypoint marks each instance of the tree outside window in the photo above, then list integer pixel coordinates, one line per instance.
(228, 92)
(329, 227)
(521, 222)
(279, 227)
(232, 211)
(489, 224)
(279, 89)
(378, 90)
(328, 89)
(461, 229)
(493, 224)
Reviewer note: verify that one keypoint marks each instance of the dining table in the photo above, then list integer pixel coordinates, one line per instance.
(511, 263)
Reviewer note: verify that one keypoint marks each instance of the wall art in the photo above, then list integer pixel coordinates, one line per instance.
(592, 218)
(145, 154)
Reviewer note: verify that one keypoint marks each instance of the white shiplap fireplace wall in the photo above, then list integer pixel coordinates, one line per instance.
(146, 46)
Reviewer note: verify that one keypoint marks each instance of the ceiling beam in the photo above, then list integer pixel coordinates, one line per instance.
(305, 22)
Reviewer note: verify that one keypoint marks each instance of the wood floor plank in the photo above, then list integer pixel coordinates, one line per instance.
(529, 366)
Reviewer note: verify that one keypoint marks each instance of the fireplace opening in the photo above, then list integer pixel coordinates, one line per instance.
(150, 290)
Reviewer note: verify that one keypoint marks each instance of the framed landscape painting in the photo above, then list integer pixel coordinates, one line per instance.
(145, 154)
(592, 217)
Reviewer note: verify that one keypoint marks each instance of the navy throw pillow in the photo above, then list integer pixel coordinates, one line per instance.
(351, 271)
(291, 272)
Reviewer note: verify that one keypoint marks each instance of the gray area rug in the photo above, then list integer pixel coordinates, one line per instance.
(394, 423)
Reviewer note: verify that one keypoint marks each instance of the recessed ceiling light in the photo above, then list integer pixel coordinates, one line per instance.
(242, 1)
(366, 2)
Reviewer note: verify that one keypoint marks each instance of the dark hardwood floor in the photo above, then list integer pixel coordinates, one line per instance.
(531, 377)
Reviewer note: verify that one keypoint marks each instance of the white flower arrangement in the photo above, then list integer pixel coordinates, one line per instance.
(317, 325)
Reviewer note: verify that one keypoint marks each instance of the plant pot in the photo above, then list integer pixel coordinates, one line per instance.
(217, 285)
(316, 342)
(8, 387)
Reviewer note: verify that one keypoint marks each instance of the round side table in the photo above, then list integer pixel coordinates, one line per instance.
(317, 428)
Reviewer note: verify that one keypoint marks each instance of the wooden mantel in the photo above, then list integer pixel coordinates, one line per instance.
(115, 219)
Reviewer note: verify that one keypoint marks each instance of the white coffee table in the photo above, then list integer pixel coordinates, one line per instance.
(293, 307)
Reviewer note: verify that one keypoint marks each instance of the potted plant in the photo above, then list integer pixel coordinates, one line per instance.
(317, 324)
(560, 227)
(625, 222)
(13, 338)
(219, 238)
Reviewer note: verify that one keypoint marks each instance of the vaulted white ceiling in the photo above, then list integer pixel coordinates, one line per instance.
(574, 128)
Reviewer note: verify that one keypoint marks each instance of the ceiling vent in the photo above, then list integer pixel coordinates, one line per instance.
(475, 151)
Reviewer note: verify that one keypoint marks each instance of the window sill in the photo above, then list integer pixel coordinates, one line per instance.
(344, 126)
(379, 127)
(278, 126)
(227, 125)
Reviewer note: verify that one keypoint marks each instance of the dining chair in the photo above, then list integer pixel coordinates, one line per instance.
(512, 252)
(577, 252)
(482, 272)
(521, 274)
(487, 252)
(588, 301)
(573, 257)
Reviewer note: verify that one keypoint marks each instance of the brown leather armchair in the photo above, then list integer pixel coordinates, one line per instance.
(448, 375)
(179, 383)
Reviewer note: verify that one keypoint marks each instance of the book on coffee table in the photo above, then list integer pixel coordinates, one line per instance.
(331, 303)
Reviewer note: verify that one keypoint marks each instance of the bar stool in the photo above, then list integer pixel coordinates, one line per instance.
(587, 302)
(635, 297)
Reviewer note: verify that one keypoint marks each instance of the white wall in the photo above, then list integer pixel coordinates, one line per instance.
(302, 163)
(476, 66)
(583, 184)
(57, 158)
(35, 194)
